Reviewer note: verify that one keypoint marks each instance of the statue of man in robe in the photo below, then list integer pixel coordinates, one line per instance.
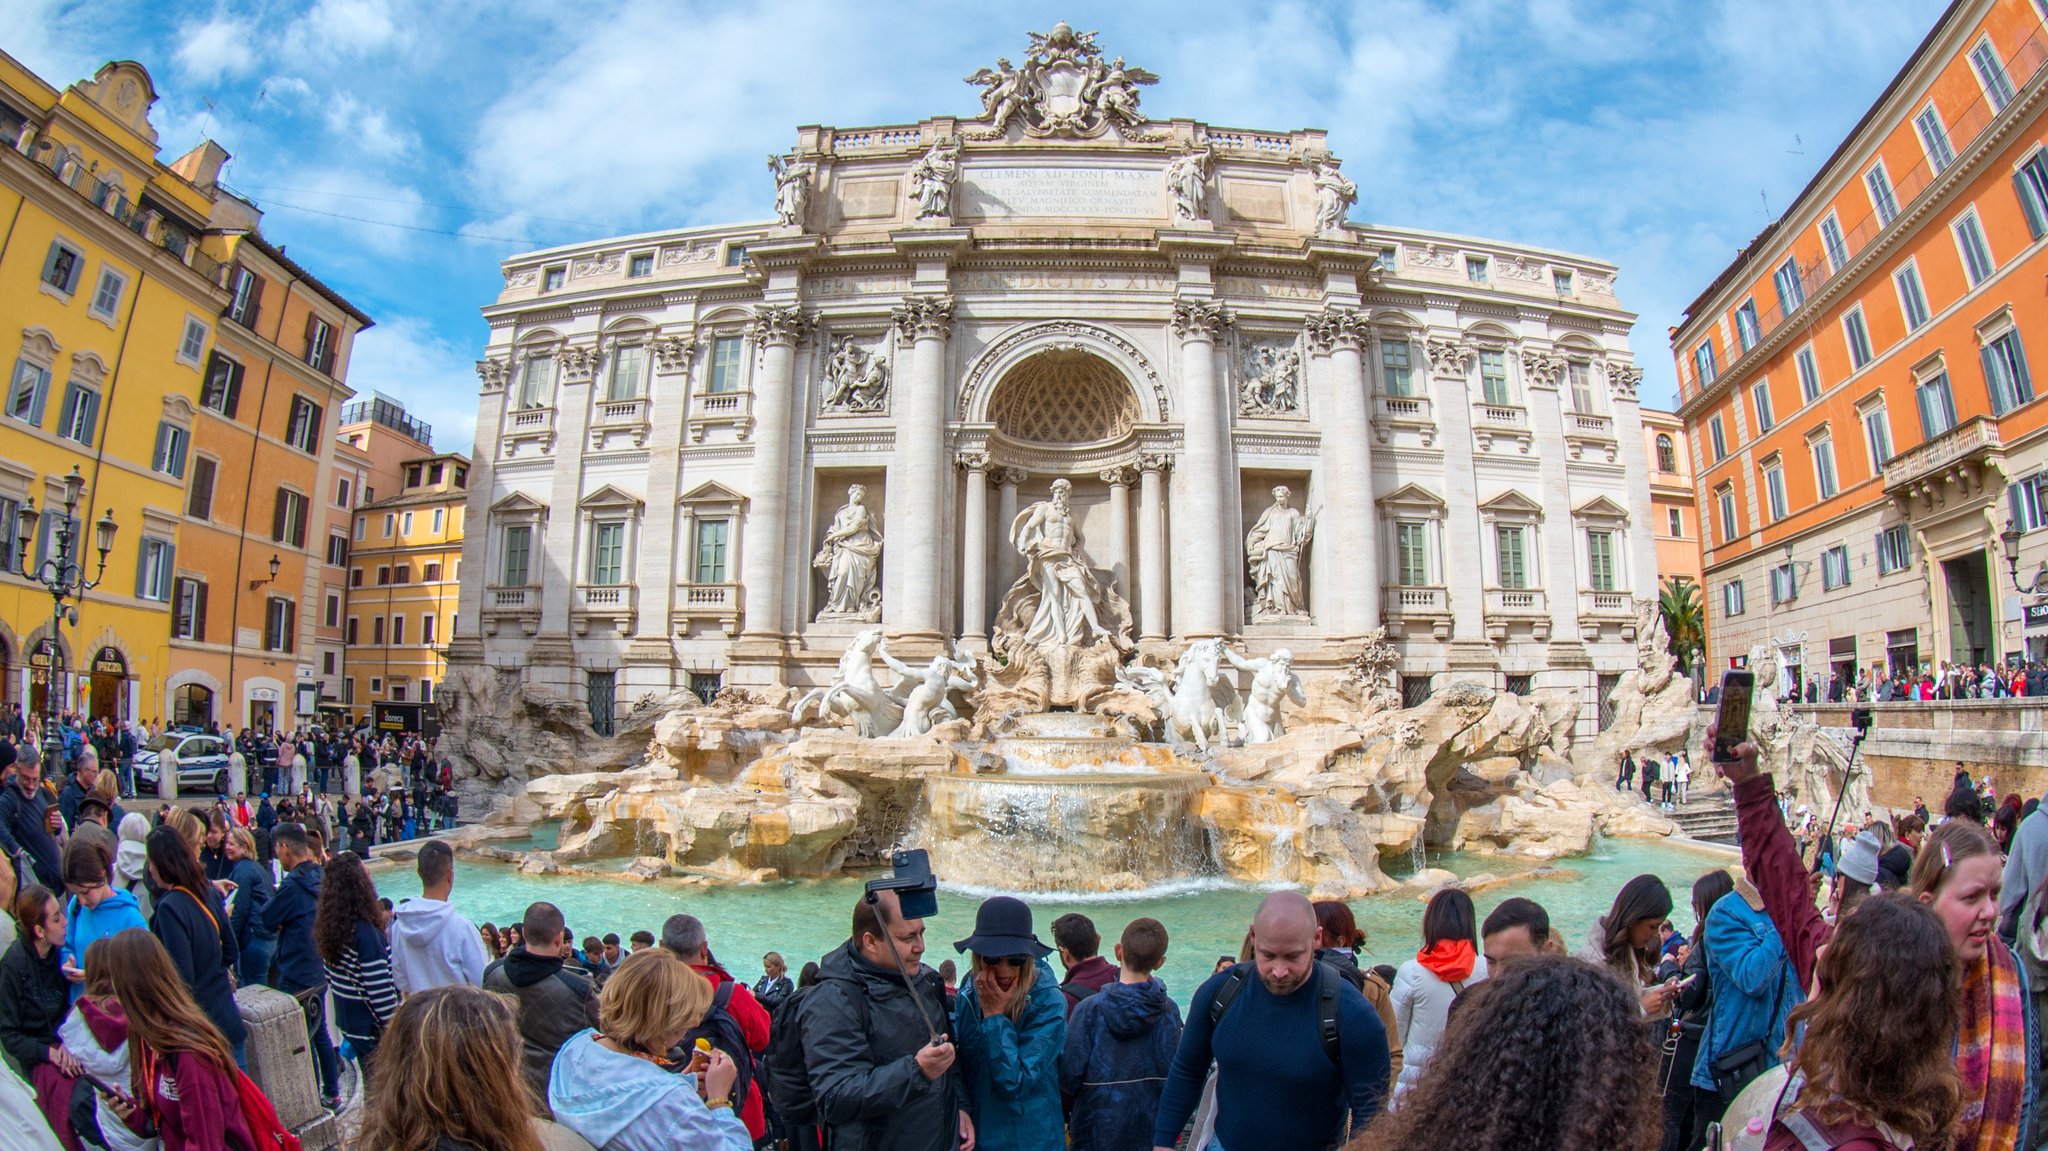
(1274, 550)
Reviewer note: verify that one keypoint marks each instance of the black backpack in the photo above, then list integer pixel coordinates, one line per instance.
(724, 1033)
(782, 1064)
(1329, 985)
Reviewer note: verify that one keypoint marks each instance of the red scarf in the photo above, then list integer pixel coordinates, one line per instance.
(1450, 960)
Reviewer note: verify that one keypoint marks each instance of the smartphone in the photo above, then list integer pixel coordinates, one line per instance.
(1732, 720)
(100, 1085)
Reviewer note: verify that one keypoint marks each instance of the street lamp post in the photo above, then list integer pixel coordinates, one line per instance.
(2009, 539)
(63, 575)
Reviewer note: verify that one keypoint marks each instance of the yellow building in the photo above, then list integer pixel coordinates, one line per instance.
(404, 570)
(112, 284)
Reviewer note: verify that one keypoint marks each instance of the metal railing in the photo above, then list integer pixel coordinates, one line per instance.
(149, 224)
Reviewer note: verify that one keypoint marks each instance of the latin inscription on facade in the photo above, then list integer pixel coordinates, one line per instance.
(1062, 280)
(1104, 193)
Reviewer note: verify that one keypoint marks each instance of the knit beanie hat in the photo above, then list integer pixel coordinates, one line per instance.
(1859, 859)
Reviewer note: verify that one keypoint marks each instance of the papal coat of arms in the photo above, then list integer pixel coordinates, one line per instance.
(1063, 88)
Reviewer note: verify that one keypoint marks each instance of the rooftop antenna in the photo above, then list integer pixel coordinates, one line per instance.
(1798, 151)
(1765, 197)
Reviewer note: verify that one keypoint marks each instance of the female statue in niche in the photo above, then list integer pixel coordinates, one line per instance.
(851, 558)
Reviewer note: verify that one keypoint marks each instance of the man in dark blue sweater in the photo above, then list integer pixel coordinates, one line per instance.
(1277, 1089)
(299, 970)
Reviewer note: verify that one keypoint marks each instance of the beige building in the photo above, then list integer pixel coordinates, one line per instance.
(403, 573)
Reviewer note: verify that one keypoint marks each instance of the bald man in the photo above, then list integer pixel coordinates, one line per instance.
(1277, 1086)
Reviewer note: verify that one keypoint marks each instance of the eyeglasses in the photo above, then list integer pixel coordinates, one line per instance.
(1017, 961)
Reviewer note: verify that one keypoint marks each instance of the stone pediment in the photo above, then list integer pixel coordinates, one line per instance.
(519, 503)
(1601, 508)
(1512, 502)
(712, 492)
(1412, 496)
(609, 496)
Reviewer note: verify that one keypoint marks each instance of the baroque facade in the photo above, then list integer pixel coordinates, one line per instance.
(1054, 369)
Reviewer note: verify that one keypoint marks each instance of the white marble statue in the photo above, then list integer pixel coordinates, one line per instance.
(929, 700)
(851, 558)
(854, 692)
(1274, 548)
(1273, 684)
(856, 380)
(1335, 193)
(1272, 381)
(931, 180)
(1112, 91)
(792, 189)
(1059, 571)
(1199, 708)
(1185, 177)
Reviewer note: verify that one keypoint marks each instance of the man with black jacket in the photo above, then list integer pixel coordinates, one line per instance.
(880, 1077)
(554, 1003)
(25, 820)
(299, 970)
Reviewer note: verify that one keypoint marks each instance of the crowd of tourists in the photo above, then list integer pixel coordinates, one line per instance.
(1878, 987)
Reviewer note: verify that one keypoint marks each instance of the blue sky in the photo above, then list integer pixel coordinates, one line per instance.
(401, 149)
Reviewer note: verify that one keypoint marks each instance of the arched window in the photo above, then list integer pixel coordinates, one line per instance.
(1667, 456)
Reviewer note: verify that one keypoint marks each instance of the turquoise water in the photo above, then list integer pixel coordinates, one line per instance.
(805, 919)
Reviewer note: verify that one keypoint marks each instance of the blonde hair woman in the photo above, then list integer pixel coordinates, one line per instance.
(617, 1086)
(449, 1080)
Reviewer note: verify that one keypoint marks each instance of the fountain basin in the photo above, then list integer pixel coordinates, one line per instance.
(1073, 831)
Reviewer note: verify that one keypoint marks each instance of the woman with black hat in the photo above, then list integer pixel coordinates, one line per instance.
(1011, 1024)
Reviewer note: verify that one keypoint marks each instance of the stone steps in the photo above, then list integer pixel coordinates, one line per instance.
(1710, 817)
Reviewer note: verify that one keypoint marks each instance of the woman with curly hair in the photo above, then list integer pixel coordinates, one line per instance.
(449, 1080)
(1626, 942)
(1549, 1053)
(348, 932)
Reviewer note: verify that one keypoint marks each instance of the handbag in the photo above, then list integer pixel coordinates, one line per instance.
(1734, 1070)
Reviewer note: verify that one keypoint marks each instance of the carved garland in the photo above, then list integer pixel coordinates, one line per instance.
(1075, 331)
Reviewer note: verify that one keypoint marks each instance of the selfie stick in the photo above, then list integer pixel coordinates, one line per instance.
(915, 998)
(1848, 773)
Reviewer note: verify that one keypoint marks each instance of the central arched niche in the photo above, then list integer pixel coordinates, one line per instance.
(1064, 396)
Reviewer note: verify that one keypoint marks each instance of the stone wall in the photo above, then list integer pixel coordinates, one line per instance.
(1912, 748)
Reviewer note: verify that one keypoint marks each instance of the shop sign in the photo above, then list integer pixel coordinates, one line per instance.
(2036, 615)
(105, 666)
(263, 694)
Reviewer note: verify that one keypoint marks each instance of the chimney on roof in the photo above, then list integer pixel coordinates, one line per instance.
(201, 165)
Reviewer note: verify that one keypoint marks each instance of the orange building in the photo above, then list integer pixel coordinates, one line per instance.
(1857, 384)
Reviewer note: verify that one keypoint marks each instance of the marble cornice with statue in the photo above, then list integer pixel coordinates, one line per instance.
(1060, 468)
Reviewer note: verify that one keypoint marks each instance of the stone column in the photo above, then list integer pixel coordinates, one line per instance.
(1622, 382)
(467, 646)
(974, 550)
(1465, 574)
(1116, 556)
(1542, 373)
(1009, 565)
(775, 331)
(1152, 546)
(551, 656)
(1341, 335)
(919, 480)
(651, 658)
(1206, 456)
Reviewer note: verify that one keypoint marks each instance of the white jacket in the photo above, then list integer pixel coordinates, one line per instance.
(109, 1067)
(433, 946)
(1422, 1004)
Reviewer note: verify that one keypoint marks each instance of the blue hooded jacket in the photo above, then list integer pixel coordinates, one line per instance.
(116, 913)
(1120, 1045)
(1749, 972)
(1013, 1068)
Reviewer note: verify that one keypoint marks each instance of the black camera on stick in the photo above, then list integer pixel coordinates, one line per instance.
(917, 890)
(1859, 718)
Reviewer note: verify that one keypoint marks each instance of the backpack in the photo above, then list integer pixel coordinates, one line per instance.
(262, 1117)
(1329, 985)
(782, 1064)
(724, 1033)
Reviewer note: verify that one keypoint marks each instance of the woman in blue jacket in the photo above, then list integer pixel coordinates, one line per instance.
(1755, 987)
(1011, 1025)
(97, 908)
(253, 891)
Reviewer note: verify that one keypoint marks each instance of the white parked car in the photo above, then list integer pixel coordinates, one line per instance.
(202, 761)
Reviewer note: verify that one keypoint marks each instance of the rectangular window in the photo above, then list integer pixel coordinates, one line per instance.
(1791, 292)
(629, 370)
(1581, 375)
(342, 490)
(2005, 372)
(1882, 201)
(1912, 299)
(222, 389)
(1977, 262)
(427, 630)
(1703, 368)
(169, 456)
(188, 610)
(246, 298)
(63, 266)
(439, 518)
(350, 632)
(377, 630)
(331, 611)
(397, 630)
(1857, 335)
(1397, 376)
(405, 523)
(401, 573)
(1561, 280)
(1991, 73)
(1724, 498)
(641, 264)
(80, 418)
(1831, 239)
(1784, 584)
(1513, 568)
(1809, 374)
(1774, 492)
(355, 577)
(608, 552)
(193, 344)
(1677, 523)
(362, 527)
(288, 518)
(1412, 548)
(518, 555)
(1877, 436)
(1387, 260)
(2030, 182)
(319, 343)
(327, 663)
(1731, 598)
(153, 570)
(383, 575)
(106, 299)
(31, 389)
(1934, 139)
(1600, 560)
(430, 572)
(1824, 466)
(199, 496)
(1718, 437)
(1761, 397)
(1834, 567)
(711, 541)
(537, 382)
(390, 524)
(2026, 497)
(551, 280)
(1937, 405)
(302, 431)
(1493, 376)
(1894, 550)
(1475, 269)
(1747, 331)
(10, 534)
(726, 363)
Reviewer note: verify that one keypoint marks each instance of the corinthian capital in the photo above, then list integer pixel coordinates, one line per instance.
(579, 363)
(778, 324)
(972, 461)
(1335, 328)
(1624, 379)
(923, 316)
(1200, 319)
(492, 373)
(672, 353)
(1447, 357)
(1543, 369)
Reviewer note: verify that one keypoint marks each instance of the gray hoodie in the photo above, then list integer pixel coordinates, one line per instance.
(433, 946)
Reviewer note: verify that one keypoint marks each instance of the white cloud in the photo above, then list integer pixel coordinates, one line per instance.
(404, 356)
(216, 48)
(382, 217)
(368, 129)
(350, 26)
